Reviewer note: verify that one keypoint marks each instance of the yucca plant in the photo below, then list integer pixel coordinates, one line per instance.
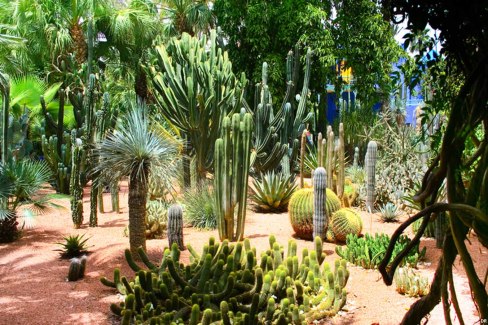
(136, 150)
(389, 212)
(74, 246)
(199, 205)
(272, 192)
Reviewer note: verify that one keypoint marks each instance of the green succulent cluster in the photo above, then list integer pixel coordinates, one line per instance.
(368, 251)
(74, 245)
(409, 283)
(273, 191)
(227, 284)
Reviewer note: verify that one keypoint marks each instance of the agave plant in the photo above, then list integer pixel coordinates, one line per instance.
(272, 192)
(200, 210)
(73, 246)
(389, 212)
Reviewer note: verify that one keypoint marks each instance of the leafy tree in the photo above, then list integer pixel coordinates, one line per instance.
(463, 79)
(136, 150)
(186, 16)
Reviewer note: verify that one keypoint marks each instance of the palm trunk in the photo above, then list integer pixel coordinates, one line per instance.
(138, 188)
(8, 229)
(140, 83)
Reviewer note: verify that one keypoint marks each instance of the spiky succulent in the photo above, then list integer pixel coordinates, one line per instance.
(273, 191)
(74, 246)
(389, 212)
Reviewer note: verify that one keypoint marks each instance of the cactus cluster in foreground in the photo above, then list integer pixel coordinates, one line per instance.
(228, 284)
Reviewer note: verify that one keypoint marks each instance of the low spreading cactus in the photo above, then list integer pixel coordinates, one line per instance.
(409, 283)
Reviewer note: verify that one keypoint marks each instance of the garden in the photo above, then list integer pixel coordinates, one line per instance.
(229, 162)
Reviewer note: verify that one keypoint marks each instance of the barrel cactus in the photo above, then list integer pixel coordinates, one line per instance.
(346, 221)
(300, 210)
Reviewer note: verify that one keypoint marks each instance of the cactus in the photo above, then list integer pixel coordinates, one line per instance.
(76, 188)
(346, 221)
(368, 251)
(356, 157)
(77, 268)
(370, 170)
(409, 283)
(175, 226)
(303, 148)
(5, 89)
(341, 163)
(330, 157)
(276, 141)
(301, 210)
(320, 162)
(320, 216)
(232, 158)
(227, 284)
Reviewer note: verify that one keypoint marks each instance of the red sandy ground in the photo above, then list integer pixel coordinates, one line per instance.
(34, 290)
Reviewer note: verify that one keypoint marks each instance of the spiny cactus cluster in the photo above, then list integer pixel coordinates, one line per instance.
(228, 284)
(300, 210)
(77, 268)
(368, 251)
(344, 221)
(409, 283)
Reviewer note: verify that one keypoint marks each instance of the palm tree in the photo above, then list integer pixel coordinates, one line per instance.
(186, 16)
(135, 149)
(19, 182)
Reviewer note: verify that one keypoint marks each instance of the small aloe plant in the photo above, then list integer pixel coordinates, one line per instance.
(389, 212)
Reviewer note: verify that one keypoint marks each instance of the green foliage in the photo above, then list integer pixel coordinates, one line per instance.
(300, 210)
(389, 212)
(74, 245)
(199, 203)
(228, 284)
(368, 251)
(411, 284)
(272, 191)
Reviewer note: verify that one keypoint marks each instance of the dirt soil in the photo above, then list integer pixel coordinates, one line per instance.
(34, 290)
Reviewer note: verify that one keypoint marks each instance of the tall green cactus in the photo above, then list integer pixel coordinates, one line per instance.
(303, 148)
(320, 217)
(76, 187)
(5, 89)
(195, 88)
(275, 141)
(320, 162)
(175, 226)
(232, 158)
(330, 157)
(370, 172)
(341, 163)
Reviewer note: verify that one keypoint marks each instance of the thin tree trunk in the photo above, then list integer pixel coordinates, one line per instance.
(137, 210)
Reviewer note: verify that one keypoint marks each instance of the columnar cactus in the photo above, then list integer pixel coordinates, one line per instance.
(5, 89)
(370, 171)
(330, 157)
(320, 163)
(320, 217)
(76, 187)
(341, 162)
(356, 157)
(175, 226)
(303, 147)
(232, 158)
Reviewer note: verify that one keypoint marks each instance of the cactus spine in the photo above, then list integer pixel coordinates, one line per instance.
(320, 217)
(370, 171)
(232, 158)
(340, 158)
(175, 226)
(302, 157)
(330, 157)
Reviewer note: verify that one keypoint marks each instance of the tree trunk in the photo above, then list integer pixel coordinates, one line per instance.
(137, 210)
(140, 83)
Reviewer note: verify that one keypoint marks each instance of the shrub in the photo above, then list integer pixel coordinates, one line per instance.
(74, 246)
(199, 206)
(273, 192)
